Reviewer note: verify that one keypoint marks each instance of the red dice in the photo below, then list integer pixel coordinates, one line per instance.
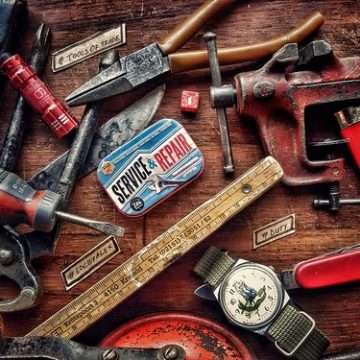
(189, 101)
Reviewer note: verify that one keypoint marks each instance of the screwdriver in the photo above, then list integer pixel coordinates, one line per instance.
(21, 204)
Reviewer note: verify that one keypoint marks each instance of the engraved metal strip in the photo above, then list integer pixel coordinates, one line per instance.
(274, 231)
(90, 262)
(89, 47)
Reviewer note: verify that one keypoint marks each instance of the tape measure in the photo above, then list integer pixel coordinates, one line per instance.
(138, 270)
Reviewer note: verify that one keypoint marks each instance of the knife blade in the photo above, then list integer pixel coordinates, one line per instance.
(107, 138)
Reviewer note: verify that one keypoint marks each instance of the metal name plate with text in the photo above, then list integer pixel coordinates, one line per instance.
(90, 262)
(89, 47)
(274, 231)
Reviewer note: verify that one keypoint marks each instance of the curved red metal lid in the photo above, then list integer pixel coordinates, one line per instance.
(200, 338)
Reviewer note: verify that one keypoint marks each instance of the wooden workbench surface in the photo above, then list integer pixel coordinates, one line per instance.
(335, 310)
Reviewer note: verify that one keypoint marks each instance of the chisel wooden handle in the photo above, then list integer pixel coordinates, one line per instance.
(192, 24)
(191, 60)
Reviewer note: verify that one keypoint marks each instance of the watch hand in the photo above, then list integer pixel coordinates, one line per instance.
(244, 307)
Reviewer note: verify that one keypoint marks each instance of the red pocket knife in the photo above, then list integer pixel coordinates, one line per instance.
(335, 268)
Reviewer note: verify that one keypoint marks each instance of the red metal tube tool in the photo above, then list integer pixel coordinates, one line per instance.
(349, 121)
(23, 78)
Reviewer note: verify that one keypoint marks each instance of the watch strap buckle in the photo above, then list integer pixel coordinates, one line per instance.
(295, 335)
(301, 342)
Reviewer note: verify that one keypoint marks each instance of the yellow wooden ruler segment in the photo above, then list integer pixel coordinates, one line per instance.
(130, 276)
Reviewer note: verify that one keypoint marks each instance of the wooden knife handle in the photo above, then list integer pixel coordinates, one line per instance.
(192, 24)
(191, 60)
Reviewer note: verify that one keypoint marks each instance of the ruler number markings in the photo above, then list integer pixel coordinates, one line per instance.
(160, 253)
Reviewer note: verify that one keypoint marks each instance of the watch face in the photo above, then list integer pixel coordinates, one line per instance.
(251, 295)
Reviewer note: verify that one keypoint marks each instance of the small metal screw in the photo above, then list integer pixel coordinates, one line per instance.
(171, 353)
(335, 171)
(6, 256)
(109, 354)
(246, 189)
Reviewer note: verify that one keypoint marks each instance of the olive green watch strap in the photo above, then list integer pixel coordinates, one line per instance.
(295, 334)
(213, 266)
(293, 331)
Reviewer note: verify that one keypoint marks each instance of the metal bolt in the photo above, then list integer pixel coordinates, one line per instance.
(171, 353)
(109, 354)
(6, 256)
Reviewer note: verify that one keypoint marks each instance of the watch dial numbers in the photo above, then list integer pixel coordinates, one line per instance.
(250, 295)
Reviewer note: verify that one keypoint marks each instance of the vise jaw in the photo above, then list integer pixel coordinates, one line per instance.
(277, 95)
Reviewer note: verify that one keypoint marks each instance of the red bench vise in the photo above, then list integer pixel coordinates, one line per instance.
(277, 95)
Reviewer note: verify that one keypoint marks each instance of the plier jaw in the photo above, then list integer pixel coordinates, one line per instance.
(127, 74)
(160, 58)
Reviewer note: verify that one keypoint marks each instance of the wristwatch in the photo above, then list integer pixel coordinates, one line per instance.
(252, 297)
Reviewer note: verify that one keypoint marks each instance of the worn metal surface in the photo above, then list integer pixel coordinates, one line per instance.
(199, 337)
(15, 265)
(80, 146)
(127, 74)
(17, 127)
(38, 95)
(108, 137)
(104, 227)
(58, 349)
(277, 100)
(210, 40)
(37, 243)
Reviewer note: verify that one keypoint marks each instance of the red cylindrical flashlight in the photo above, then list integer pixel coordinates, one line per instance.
(349, 121)
(23, 78)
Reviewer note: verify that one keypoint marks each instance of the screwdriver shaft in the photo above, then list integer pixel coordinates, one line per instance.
(104, 227)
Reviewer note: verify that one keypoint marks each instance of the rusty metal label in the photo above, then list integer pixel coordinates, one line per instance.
(89, 47)
(274, 231)
(90, 262)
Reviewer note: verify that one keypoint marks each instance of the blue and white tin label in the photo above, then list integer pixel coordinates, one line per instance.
(150, 167)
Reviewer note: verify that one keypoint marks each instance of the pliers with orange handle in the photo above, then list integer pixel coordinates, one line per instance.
(160, 58)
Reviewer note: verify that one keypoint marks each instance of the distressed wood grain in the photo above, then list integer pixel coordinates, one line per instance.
(335, 310)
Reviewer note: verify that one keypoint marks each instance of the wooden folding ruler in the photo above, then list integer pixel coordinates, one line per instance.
(130, 276)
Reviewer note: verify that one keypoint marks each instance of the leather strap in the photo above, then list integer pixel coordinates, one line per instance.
(293, 331)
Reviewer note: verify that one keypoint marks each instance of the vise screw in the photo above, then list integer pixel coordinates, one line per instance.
(277, 95)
